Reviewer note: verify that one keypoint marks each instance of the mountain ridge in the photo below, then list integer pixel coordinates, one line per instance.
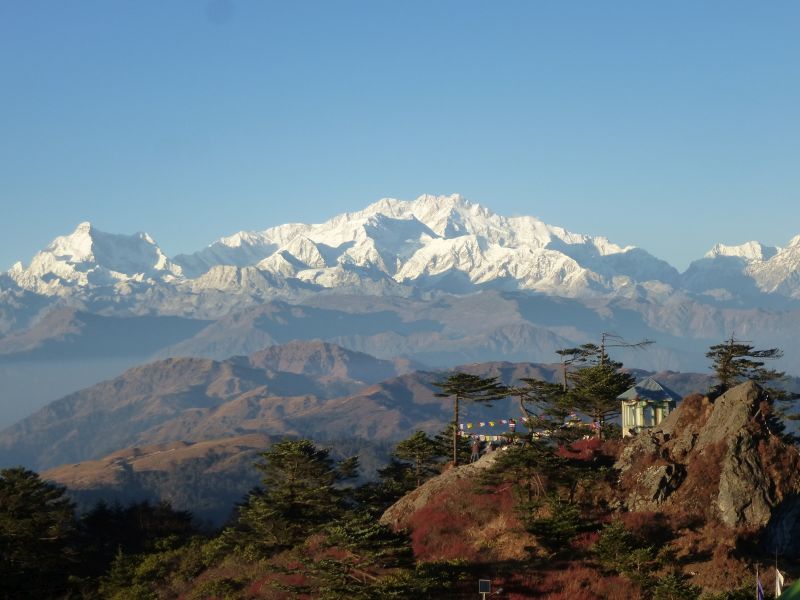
(301, 388)
(391, 246)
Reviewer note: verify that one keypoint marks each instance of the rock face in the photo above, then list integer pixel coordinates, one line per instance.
(718, 461)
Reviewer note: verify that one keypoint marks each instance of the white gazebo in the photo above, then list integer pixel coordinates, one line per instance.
(645, 405)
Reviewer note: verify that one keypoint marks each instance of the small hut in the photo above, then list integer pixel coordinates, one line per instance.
(645, 405)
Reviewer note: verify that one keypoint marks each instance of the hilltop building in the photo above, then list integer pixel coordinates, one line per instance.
(645, 405)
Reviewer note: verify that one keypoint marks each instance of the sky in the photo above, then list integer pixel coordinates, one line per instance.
(667, 125)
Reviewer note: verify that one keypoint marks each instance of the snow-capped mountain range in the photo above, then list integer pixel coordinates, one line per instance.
(434, 243)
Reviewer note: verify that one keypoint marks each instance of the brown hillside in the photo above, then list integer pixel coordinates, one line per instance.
(713, 485)
(113, 469)
(206, 478)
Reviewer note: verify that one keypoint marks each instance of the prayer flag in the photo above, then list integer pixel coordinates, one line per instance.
(778, 582)
(491, 423)
(469, 425)
(482, 424)
(759, 589)
(503, 421)
(461, 426)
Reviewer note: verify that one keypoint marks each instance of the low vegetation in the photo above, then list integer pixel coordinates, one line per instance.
(541, 518)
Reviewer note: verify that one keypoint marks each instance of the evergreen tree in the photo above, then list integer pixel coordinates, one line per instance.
(619, 550)
(37, 524)
(596, 385)
(736, 361)
(549, 409)
(394, 481)
(614, 546)
(444, 444)
(464, 387)
(301, 493)
(675, 586)
(541, 398)
(369, 548)
(134, 529)
(557, 529)
(421, 451)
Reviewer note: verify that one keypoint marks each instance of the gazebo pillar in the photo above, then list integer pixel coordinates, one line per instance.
(639, 415)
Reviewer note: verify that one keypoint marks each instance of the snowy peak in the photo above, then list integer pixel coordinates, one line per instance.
(432, 243)
(749, 251)
(89, 256)
(76, 247)
(746, 271)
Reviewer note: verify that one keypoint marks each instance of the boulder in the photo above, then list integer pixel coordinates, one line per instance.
(718, 461)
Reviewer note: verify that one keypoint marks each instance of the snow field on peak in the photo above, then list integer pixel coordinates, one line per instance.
(88, 257)
(444, 243)
(410, 241)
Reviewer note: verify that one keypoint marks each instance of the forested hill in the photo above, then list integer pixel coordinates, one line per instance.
(683, 512)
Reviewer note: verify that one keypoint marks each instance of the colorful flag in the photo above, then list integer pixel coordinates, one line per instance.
(503, 421)
(491, 423)
(482, 424)
(469, 425)
(461, 426)
(778, 582)
(759, 589)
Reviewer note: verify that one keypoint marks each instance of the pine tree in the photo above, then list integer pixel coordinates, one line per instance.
(421, 451)
(597, 383)
(37, 525)
(736, 361)
(464, 387)
(444, 444)
(301, 493)
(556, 530)
(394, 481)
(542, 398)
(675, 586)
(596, 389)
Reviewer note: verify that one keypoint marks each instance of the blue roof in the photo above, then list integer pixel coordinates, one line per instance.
(649, 389)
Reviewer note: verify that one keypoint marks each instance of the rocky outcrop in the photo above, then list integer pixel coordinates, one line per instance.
(458, 515)
(397, 516)
(717, 461)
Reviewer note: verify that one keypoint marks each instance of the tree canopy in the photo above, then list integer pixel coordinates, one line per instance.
(299, 495)
(422, 452)
(465, 387)
(36, 530)
(735, 361)
(596, 384)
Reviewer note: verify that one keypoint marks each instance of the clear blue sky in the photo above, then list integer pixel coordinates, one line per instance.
(668, 125)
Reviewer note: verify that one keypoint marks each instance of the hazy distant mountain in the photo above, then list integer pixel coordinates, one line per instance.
(77, 334)
(439, 280)
(192, 399)
(747, 270)
(206, 478)
(304, 389)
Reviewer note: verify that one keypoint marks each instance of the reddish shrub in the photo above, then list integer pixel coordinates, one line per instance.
(464, 523)
(586, 540)
(438, 534)
(654, 527)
